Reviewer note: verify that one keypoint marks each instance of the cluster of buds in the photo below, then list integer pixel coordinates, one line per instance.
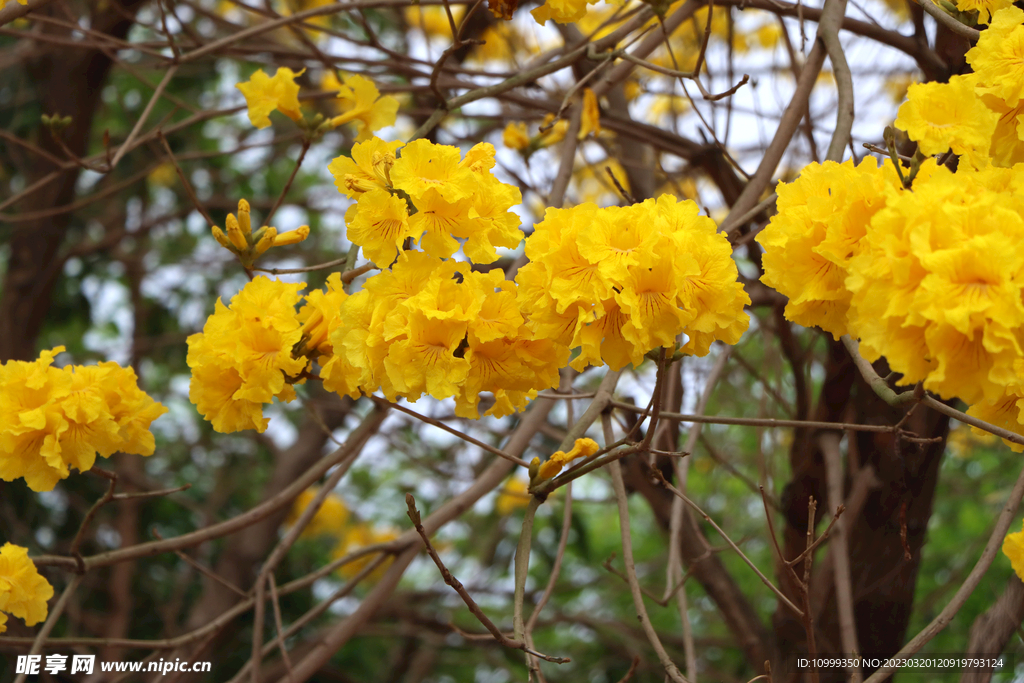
(247, 245)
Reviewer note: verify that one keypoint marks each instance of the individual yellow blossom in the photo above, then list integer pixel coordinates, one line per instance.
(328, 520)
(425, 362)
(984, 8)
(515, 136)
(360, 102)
(591, 118)
(943, 116)
(998, 57)
(379, 223)
(243, 357)
(23, 592)
(368, 169)
(1013, 548)
(1007, 147)
(492, 222)
(54, 419)
(583, 448)
(553, 131)
(264, 94)
(426, 166)
(1004, 412)
(436, 220)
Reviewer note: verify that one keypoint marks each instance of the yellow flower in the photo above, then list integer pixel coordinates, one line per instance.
(436, 220)
(243, 357)
(23, 592)
(1013, 548)
(426, 166)
(433, 20)
(328, 520)
(591, 121)
(361, 102)
(1004, 412)
(562, 11)
(53, 419)
(425, 362)
(379, 223)
(513, 496)
(320, 315)
(356, 536)
(264, 94)
(998, 57)
(583, 448)
(515, 136)
(368, 169)
(554, 130)
(942, 116)
(984, 8)
(822, 218)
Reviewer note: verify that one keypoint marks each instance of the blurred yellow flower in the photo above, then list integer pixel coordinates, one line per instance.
(329, 520)
(1013, 548)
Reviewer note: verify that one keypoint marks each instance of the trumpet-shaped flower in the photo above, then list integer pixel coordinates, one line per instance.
(368, 169)
(264, 94)
(361, 102)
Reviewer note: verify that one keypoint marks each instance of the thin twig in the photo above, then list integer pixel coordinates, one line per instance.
(449, 578)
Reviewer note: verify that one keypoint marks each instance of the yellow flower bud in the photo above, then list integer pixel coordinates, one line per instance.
(243, 217)
(293, 237)
(266, 242)
(235, 234)
(222, 239)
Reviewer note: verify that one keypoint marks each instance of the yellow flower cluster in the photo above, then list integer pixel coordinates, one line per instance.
(980, 116)
(437, 327)
(53, 419)
(928, 278)
(621, 281)
(823, 216)
(243, 357)
(429, 194)
(23, 592)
